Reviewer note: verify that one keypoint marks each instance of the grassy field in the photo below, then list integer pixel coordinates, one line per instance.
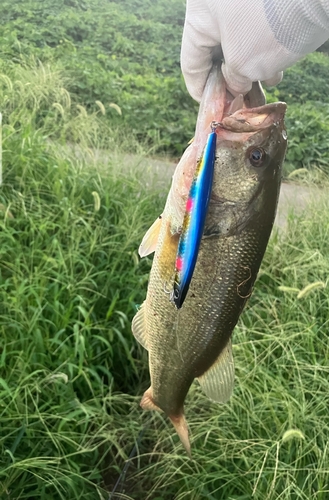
(70, 281)
(71, 374)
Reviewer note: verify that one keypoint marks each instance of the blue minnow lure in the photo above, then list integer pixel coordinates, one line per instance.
(194, 220)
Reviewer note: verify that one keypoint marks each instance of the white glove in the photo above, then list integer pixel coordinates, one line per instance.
(259, 39)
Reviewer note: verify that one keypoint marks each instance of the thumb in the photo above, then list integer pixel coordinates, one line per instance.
(235, 82)
(200, 41)
(196, 62)
(274, 80)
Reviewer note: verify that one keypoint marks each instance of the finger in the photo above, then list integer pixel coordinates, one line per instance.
(200, 37)
(196, 62)
(274, 80)
(235, 82)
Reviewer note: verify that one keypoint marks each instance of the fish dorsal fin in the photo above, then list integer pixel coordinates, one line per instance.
(138, 326)
(150, 240)
(218, 381)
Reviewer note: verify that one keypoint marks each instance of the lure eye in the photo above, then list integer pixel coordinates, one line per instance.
(257, 157)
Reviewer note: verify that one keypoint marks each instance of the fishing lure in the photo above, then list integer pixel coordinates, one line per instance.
(194, 220)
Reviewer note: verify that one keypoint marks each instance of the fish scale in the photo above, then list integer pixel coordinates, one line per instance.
(207, 320)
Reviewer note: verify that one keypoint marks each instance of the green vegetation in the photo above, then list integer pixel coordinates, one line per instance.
(126, 53)
(305, 88)
(270, 440)
(69, 284)
(74, 206)
(71, 221)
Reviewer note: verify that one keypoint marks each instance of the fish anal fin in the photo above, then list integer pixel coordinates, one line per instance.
(181, 428)
(138, 326)
(218, 381)
(150, 240)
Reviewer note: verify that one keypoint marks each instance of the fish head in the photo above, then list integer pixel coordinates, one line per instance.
(251, 138)
(251, 144)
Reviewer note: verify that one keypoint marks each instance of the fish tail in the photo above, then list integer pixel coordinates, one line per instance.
(182, 430)
(179, 422)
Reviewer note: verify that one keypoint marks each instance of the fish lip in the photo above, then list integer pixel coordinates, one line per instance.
(255, 119)
(250, 113)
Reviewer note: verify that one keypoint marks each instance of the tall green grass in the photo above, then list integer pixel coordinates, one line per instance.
(71, 219)
(271, 440)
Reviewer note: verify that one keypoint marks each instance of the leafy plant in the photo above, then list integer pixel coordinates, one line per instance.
(127, 53)
(308, 128)
(306, 81)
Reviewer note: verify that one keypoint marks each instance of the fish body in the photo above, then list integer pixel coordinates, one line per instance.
(195, 340)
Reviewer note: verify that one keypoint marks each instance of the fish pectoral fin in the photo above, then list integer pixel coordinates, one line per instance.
(217, 382)
(138, 326)
(150, 240)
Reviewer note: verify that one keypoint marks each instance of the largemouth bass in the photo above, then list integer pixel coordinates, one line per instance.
(195, 340)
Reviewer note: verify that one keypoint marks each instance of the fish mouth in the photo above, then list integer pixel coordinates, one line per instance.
(239, 115)
(250, 113)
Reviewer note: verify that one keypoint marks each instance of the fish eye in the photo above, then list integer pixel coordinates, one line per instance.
(257, 156)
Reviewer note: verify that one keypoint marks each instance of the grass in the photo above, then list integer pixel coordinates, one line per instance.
(271, 440)
(70, 280)
(71, 375)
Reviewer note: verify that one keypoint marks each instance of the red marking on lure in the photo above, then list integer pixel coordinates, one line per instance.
(194, 220)
(179, 264)
(189, 205)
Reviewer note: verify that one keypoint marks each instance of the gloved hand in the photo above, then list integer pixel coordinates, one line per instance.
(259, 39)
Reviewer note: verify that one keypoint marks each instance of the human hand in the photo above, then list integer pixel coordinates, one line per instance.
(258, 38)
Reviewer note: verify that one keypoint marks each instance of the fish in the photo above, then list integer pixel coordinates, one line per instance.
(195, 340)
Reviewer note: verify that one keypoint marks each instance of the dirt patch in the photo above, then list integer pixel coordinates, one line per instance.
(294, 198)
